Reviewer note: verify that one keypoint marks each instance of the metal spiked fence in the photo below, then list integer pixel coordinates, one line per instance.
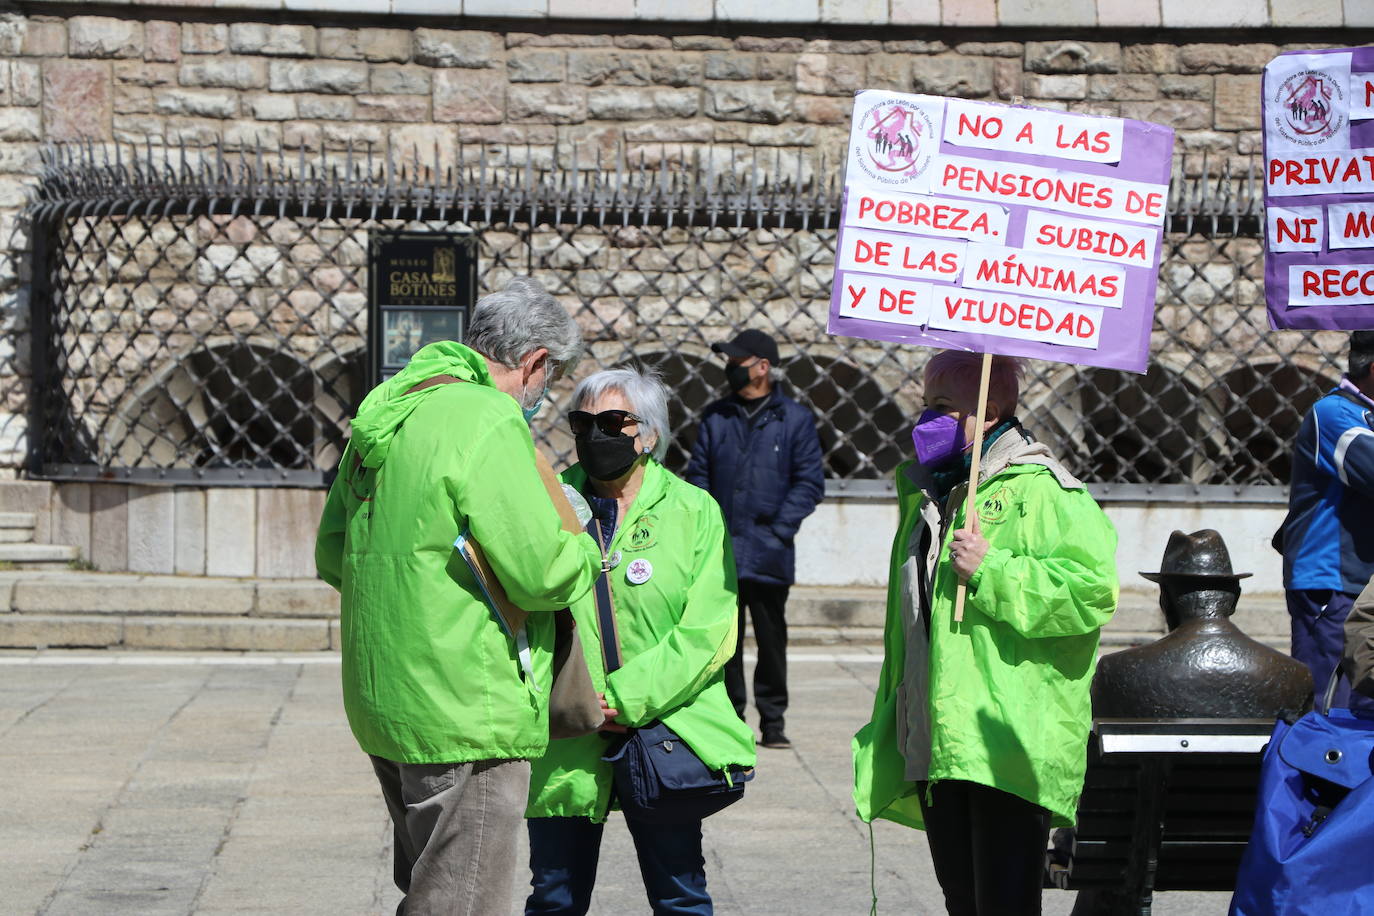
(201, 315)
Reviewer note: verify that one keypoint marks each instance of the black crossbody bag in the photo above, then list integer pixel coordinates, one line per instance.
(658, 778)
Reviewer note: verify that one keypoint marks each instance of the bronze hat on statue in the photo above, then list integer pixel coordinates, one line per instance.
(1200, 555)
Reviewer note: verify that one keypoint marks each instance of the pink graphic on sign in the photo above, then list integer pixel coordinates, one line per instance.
(894, 140)
(1309, 105)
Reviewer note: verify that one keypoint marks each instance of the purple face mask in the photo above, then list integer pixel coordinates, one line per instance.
(938, 438)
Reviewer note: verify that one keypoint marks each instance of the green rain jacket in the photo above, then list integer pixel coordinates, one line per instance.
(1001, 699)
(677, 631)
(429, 676)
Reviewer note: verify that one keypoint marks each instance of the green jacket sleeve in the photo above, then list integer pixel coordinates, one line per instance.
(509, 513)
(329, 540)
(656, 682)
(1065, 583)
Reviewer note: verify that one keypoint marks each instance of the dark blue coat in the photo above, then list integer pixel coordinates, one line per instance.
(767, 475)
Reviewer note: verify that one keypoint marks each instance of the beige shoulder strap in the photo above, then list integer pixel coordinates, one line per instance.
(514, 616)
(431, 382)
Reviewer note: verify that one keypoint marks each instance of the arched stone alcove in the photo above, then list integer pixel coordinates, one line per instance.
(236, 403)
(1262, 406)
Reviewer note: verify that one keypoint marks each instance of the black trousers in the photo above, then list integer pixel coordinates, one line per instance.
(988, 848)
(767, 605)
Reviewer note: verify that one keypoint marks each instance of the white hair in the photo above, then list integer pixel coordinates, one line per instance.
(508, 325)
(643, 389)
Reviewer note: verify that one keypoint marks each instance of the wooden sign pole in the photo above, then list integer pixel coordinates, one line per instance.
(970, 505)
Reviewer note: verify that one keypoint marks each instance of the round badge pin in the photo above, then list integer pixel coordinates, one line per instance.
(639, 571)
(614, 559)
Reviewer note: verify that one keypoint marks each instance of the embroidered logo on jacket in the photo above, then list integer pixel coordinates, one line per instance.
(642, 536)
(994, 508)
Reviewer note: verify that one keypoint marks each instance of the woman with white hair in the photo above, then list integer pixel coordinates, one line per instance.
(672, 585)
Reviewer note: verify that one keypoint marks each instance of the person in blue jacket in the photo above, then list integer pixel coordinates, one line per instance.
(1327, 540)
(758, 454)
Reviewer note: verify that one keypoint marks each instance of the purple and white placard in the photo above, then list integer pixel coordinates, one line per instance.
(1001, 229)
(1318, 113)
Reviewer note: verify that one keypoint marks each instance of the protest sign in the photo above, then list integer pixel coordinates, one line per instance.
(1001, 229)
(1318, 109)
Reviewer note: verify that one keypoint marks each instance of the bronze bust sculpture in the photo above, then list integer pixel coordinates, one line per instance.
(1205, 667)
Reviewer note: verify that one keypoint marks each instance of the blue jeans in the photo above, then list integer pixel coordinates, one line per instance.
(564, 852)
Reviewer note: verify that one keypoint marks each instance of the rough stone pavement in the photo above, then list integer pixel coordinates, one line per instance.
(229, 784)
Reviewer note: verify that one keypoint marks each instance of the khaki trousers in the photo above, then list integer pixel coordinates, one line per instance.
(456, 832)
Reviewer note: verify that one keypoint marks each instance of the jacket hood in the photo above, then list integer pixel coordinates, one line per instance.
(1018, 447)
(386, 407)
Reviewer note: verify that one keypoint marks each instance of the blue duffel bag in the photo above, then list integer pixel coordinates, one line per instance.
(1314, 820)
(660, 780)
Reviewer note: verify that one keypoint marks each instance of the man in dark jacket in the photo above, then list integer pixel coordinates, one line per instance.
(758, 454)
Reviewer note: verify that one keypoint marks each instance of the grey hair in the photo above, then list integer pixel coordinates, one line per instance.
(507, 325)
(645, 392)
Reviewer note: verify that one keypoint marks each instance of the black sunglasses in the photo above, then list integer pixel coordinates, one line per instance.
(610, 422)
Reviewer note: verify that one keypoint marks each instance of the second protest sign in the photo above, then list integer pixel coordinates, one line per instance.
(1318, 111)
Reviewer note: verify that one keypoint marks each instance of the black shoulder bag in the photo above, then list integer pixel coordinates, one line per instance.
(658, 778)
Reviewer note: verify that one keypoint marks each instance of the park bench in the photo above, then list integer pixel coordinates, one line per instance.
(1167, 805)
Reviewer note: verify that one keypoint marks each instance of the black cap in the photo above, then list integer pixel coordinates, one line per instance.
(750, 342)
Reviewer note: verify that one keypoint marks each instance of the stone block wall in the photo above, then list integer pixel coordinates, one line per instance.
(1170, 14)
(726, 79)
(662, 89)
(221, 531)
(303, 86)
(310, 87)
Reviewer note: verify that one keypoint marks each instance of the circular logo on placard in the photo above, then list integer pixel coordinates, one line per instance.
(1312, 107)
(895, 140)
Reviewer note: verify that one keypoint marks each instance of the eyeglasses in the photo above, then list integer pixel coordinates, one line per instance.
(610, 422)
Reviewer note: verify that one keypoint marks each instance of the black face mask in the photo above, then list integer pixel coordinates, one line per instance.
(606, 457)
(737, 376)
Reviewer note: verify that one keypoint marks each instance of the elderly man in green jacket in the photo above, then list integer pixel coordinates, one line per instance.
(980, 726)
(448, 703)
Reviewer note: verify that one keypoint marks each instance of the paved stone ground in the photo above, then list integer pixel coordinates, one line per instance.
(229, 784)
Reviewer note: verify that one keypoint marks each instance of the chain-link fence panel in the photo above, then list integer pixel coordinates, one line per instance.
(215, 346)
(204, 319)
